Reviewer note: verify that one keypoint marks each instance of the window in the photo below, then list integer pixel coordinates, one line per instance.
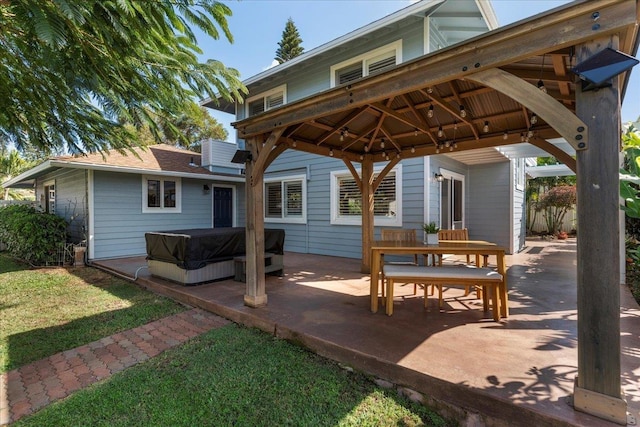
(161, 195)
(452, 200)
(266, 101)
(372, 62)
(346, 199)
(50, 197)
(285, 200)
(519, 171)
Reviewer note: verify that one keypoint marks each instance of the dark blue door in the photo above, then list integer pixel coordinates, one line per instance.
(222, 207)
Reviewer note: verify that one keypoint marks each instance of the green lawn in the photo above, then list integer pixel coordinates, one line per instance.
(228, 376)
(48, 310)
(234, 376)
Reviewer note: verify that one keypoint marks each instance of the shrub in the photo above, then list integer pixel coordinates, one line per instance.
(31, 235)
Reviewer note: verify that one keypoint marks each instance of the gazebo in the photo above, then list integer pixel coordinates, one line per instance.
(561, 74)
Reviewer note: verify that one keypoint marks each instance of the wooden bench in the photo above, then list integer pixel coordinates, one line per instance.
(273, 263)
(465, 276)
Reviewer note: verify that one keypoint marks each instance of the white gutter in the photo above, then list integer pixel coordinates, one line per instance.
(121, 169)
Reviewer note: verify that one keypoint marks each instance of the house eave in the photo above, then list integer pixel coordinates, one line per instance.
(51, 165)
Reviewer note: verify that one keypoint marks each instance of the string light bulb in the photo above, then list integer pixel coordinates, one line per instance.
(440, 131)
(331, 152)
(430, 112)
(415, 132)
(534, 119)
(366, 148)
(522, 138)
(413, 149)
(429, 90)
(541, 86)
(505, 135)
(463, 112)
(382, 143)
(485, 128)
(530, 134)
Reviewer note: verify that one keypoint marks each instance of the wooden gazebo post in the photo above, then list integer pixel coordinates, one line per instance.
(597, 390)
(255, 294)
(367, 212)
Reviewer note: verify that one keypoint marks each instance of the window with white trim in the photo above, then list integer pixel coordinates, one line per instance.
(266, 101)
(161, 194)
(519, 171)
(372, 62)
(346, 199)
(285, 199)
(50, 197)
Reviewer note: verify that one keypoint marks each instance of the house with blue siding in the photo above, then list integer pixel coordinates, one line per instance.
(315, 198)
(110, 201)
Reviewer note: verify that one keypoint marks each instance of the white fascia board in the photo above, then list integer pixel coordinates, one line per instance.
(28, 174)
(486, 9)
(51, 164)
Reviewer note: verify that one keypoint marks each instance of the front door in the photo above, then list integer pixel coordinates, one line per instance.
(222, 207)
(452, 201)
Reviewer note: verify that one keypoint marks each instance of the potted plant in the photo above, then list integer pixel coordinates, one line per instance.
(431, 230)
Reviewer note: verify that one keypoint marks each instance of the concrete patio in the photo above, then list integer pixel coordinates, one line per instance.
(518, 372)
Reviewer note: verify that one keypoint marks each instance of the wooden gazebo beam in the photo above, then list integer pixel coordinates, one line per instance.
(514, 43)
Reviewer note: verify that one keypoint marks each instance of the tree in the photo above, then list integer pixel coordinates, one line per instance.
(290, 45)
(73, 73)
(192, 127)
(11, 165)
(555, 203)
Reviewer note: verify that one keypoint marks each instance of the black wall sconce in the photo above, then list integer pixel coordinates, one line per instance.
(242, 156)
(596, 71)
(438, 177)
(206, 189)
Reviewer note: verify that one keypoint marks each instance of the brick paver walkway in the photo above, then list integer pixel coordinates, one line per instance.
(29, 388)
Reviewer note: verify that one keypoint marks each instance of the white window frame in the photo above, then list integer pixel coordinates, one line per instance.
(287, 219)
(161, 209)
(396, 45)
(519, 172)
(50, 207)
(336, 219)
(450, 175)
(264, 95)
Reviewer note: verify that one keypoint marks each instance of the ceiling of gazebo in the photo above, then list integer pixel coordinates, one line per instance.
(434, 105)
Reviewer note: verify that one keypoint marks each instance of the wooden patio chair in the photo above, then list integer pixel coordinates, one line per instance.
(458, 234)
(399, 235)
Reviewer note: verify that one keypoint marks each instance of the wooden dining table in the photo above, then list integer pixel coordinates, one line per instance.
(478, 248)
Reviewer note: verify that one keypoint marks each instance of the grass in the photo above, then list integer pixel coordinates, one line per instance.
(48, 310)
(234, 376)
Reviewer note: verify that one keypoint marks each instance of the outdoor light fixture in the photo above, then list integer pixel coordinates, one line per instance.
(541, 86)
(413, 149)
(463, 112)
(430, 112)
(438, 177)
(596, 71)
(440, 131)
(382, 143)
(534, 119)
(331, 152)
(206, 189)
(242, 156)
(485, 128)
(505, 135)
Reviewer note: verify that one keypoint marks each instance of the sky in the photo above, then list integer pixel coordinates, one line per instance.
(257, 27)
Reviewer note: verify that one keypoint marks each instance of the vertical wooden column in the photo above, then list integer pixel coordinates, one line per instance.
(255, 294)
(597, 390)
(367, 212)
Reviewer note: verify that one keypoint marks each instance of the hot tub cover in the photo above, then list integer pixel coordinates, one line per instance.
(194, 248)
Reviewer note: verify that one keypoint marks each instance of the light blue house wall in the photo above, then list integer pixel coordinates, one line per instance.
(71, 199)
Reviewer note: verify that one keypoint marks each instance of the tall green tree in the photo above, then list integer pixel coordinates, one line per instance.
(73, 72)
(291, 44)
